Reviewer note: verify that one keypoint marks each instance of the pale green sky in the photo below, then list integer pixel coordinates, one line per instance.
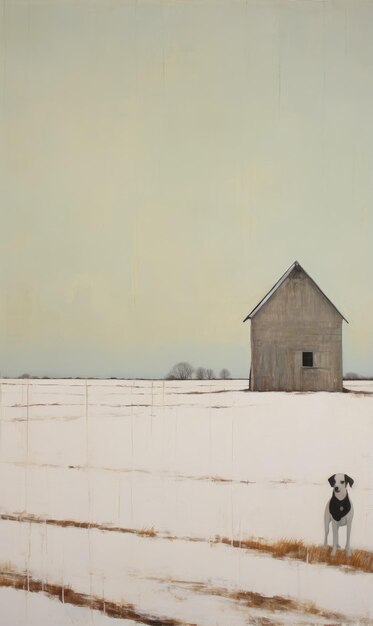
(163, 163)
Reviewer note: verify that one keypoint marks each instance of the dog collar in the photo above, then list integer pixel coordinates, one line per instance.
(339, 508)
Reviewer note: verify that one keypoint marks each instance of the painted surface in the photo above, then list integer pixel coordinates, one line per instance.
(139, 496)
(158, 158)
(296, 319)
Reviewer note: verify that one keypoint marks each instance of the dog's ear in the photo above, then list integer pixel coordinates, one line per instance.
(332, 480)
(349, 481)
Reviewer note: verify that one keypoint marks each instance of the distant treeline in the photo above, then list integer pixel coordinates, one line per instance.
(180, 371)
(186, 371)
(354, 376)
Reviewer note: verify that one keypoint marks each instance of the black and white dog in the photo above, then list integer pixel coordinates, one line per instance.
(339, 511)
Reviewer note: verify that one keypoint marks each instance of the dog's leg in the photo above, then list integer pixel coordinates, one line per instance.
(335, 537)
(348, 535)
(326, 525)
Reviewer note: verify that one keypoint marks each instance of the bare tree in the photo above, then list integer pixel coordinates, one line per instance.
(181, 371)
(210, 374)
(201, 373)
(225, 374)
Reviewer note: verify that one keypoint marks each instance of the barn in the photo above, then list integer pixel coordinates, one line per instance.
(296, 337)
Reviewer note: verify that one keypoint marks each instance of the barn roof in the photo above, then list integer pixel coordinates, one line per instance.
(295, 267)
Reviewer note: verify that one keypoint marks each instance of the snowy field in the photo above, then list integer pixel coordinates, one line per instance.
(112, 494)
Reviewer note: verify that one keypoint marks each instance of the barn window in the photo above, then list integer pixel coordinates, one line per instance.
(307, 359)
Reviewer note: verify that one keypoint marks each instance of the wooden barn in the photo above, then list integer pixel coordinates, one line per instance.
(296, 337)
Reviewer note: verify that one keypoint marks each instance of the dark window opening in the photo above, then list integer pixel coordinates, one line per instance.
(307, 359)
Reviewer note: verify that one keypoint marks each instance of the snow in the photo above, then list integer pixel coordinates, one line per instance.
(191, 459)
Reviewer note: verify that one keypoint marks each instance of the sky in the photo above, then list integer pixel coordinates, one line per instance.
(164, 162)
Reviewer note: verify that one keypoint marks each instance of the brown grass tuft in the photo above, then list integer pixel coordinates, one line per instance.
(361, 560)
(148, 532)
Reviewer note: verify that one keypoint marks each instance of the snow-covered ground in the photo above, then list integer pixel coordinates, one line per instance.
(181, 462)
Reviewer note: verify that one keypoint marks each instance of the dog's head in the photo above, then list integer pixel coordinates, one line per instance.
(339, 482)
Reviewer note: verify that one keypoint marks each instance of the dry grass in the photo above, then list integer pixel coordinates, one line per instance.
(284, 481)
(270, 604)
(68, 596)
(277, 604)
(147, 532)
(361, 560)
(70, 523)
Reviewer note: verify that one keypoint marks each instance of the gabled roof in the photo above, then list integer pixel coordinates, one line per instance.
(295, 267)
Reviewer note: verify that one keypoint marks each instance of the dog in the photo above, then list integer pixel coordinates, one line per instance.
(339, 511)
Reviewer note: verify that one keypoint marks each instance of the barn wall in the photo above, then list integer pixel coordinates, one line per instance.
(297, 318)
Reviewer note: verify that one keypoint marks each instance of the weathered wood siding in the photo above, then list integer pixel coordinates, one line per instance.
(297, 319)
